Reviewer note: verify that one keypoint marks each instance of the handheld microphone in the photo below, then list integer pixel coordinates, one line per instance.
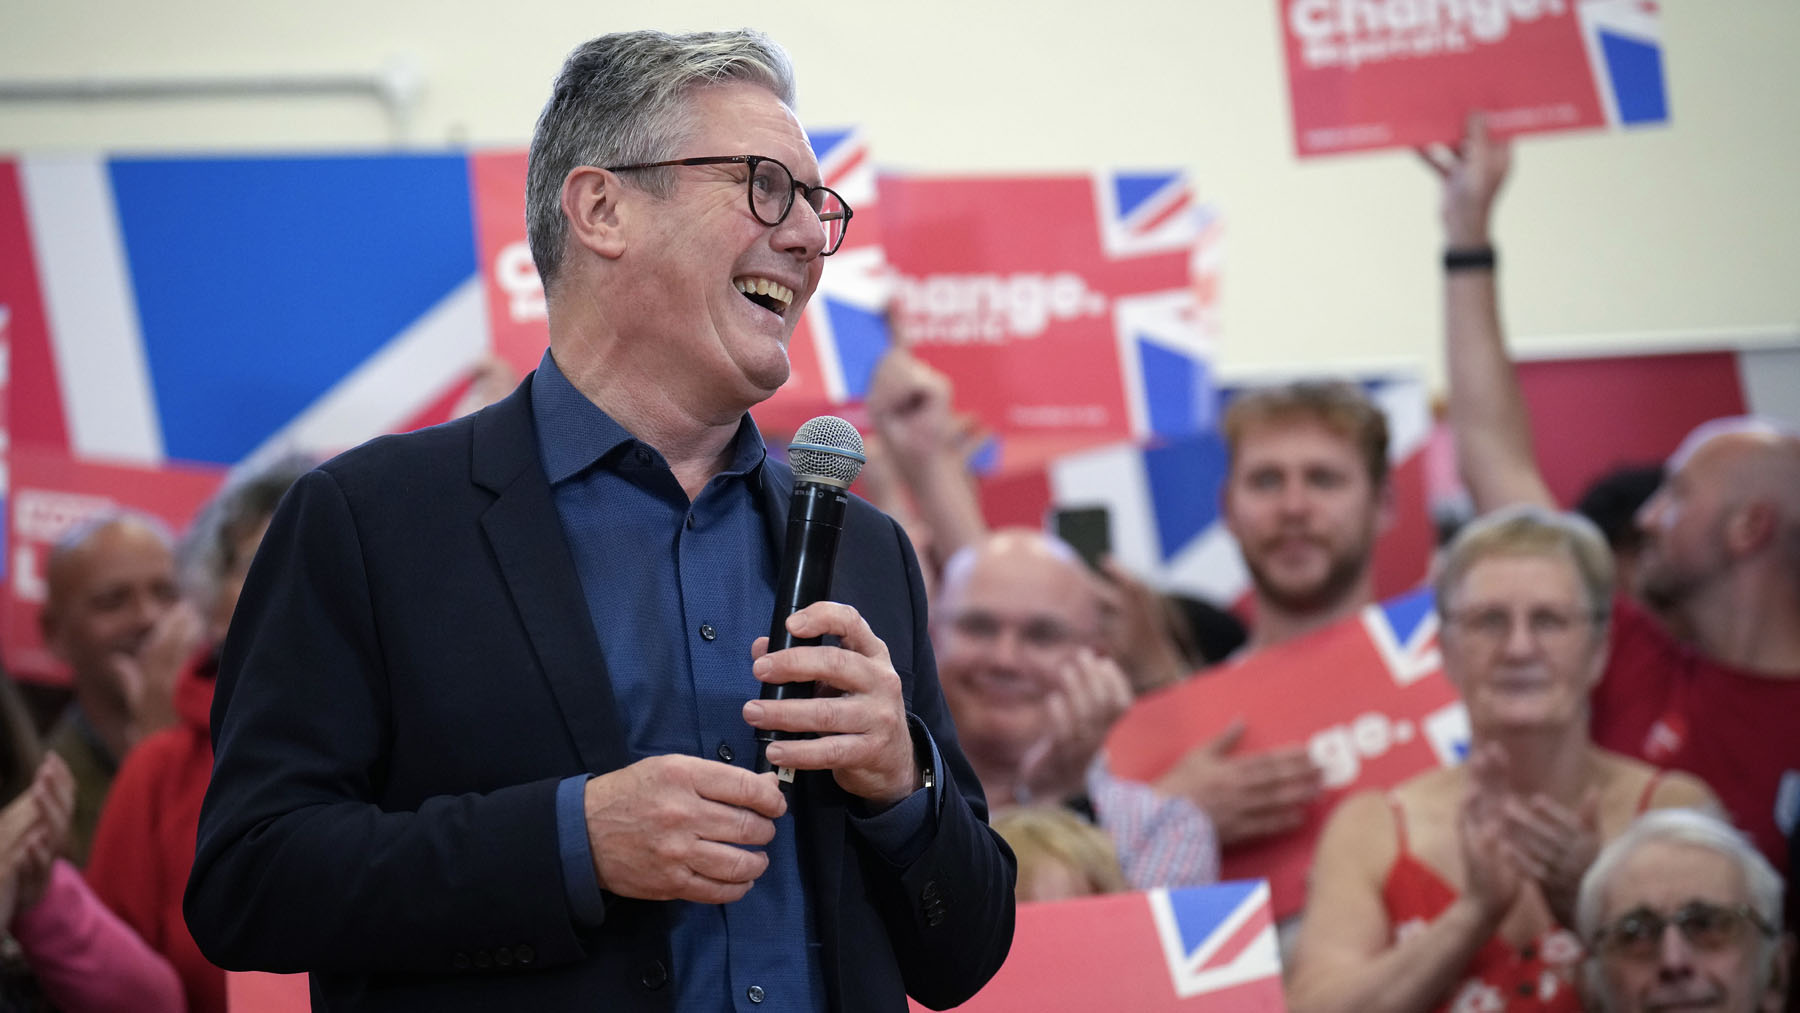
(826, 455)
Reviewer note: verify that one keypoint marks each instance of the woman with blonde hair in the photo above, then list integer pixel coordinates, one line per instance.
(1457, 890)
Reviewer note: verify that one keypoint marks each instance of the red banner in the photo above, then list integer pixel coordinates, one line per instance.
(51, 494)
(1062, 307)
(1366, 697)
(1394, 73)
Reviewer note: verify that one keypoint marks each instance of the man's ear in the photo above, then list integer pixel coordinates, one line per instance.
(591, 199)
(1752, 526)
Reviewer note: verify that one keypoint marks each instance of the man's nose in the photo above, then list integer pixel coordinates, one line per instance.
(1674, 956)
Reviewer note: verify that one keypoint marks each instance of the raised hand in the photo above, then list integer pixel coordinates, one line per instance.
(1473, 174)
(148, 674)
(1090, 694)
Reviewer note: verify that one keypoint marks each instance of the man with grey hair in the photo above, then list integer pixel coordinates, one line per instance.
(1680, 912)
(481, 722)
(1721, 548)
(114, 614)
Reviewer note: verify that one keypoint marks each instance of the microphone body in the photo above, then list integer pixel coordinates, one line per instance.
(823, 472)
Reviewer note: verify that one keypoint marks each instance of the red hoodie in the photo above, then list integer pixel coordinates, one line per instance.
(144, 848)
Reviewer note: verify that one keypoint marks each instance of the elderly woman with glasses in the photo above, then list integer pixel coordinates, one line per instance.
(1457, 890)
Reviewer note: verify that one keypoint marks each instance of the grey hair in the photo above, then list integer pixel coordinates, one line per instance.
(1529, 530)
(622, 99)
(1690, 827)
(247, 499)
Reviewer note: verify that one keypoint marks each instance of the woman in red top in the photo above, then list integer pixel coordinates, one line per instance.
(1457, 890)
(144, 847)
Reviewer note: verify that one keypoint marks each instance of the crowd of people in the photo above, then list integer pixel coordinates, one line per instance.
(467, 718)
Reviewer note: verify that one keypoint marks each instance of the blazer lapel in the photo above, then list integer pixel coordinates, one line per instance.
(526, 534)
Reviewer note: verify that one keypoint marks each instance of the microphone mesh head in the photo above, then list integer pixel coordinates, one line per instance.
(827, 449)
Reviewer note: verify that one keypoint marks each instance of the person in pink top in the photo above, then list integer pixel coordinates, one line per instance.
(60, 948)
(1457, 890)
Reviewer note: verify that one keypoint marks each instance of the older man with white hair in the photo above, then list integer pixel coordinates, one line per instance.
(1679, 912)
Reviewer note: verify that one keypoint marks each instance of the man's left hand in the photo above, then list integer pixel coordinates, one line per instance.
(858, 712)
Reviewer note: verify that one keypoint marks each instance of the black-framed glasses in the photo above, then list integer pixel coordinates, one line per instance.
(1637, 935)
(771, 192)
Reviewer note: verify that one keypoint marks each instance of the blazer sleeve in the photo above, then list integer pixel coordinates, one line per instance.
(298, 866)
(950, 912)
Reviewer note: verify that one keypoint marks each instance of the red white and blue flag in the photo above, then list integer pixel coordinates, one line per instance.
(1198, 948)
(1063, 308)
(844, 332)
(169, 317)
(1368, 74)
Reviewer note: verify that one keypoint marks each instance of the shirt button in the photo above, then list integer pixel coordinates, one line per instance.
(724, 752)
(643, 455)
(690, 522)
(654, 975)
(755, 993)
(707, 632)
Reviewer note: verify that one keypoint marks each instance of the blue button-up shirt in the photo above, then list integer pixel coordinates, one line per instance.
(677, 590)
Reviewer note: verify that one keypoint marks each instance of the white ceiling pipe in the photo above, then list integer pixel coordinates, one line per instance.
(396, 86)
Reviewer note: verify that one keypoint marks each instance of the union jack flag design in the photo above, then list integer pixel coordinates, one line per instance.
(1063, 307)
(208, 309)
(844, 332)
(1218, 938)
(1191, 949)
(1623, 40)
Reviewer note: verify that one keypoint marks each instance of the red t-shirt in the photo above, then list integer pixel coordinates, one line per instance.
(1664, 703)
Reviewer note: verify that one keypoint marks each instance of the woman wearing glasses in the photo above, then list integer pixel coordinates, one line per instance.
(1457, 890)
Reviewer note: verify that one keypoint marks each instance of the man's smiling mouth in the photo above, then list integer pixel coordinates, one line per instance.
(770, 295)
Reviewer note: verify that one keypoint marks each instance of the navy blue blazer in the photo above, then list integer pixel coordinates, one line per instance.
(410, 672)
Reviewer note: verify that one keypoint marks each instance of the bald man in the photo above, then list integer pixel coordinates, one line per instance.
(1721, 550)
(1017, 631)
(113, 614)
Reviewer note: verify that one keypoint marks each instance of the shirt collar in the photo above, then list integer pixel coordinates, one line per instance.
(574, 432)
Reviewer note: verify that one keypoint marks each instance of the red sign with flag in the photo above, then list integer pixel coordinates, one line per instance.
(50, 494)
(1062, 307)
(1195, 949)
(1395, 73)
(1367, 698)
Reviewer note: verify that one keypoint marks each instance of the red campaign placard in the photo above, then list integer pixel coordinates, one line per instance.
(1200, 948)
(49, 494)
(515, 294)
(1367, 698)
(1366, 74)
(1061, 307)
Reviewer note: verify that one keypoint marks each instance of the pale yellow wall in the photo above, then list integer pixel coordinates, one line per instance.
(1661, 235)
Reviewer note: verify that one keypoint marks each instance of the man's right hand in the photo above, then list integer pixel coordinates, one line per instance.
(681, 828)
(1248, 796)
(1473, 174)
